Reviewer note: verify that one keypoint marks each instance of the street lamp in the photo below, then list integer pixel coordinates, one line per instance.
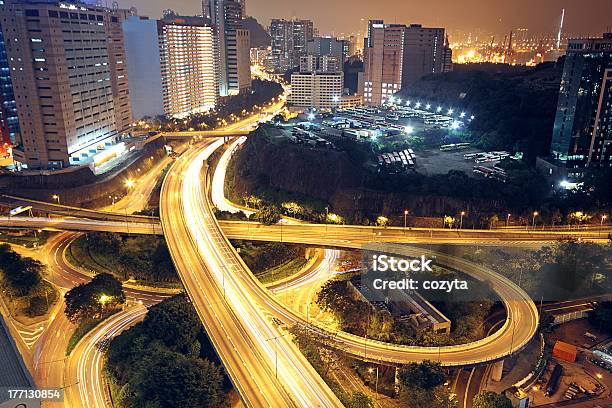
(371, 370)
(129, 183)
(405, 219)
(535, 214)
(56, 197)
(508, 219)
(461, 222)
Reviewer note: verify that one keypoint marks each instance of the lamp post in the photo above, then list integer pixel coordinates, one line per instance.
(461, 222)
(508, 220)
(535, 214)
(57, 198)
(603, 218)
(371, 370)
(405, 219)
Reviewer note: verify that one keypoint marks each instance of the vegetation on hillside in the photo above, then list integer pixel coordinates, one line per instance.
(514, 106)
(143, 258)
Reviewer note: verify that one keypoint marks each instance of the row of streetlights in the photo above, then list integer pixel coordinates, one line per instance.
(428, 106)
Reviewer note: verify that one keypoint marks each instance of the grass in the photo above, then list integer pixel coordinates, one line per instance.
(27, 241)
(82, 254)
(83, 328)
(79, 254)
(19, 305)
(282, 271)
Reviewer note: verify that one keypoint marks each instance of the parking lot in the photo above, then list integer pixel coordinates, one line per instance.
(399, 137)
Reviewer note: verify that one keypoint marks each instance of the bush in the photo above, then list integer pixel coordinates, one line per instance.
(37, 306)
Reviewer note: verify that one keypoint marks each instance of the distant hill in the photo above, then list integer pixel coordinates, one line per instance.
(514, 106)
(259, 36)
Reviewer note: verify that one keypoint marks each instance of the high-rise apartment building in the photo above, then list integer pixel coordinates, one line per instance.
(321, 46)
(173, 65)
(396, 55)
(69, 85)
(582, 133)
(233, 45)
(290, 41)
(188, 67)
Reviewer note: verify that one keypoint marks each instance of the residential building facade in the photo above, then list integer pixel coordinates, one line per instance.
(290, 41)
(173, 65)
(233, 46)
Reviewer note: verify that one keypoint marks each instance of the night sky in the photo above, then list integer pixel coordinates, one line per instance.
(490, 16)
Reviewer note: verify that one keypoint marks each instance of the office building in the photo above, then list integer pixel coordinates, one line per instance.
(316, 90)
(321, 46)
(383, 62)
(582, 133)
(289, 42)
(447, 59)
(424, 52)
(396, 55)
(173, 65)
(9, 119)
(320, 84)
(68, 82)
(233, 46)
(321, 64)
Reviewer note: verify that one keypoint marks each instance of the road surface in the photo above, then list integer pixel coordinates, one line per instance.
(265, 366)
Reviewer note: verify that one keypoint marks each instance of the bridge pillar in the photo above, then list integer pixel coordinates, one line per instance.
(497, 371)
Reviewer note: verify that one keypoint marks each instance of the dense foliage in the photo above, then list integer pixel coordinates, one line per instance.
(260, 257)
(94, 299)
(525, 189)
(568, 269)
(601, 317)
(325, 361)
(144, 258)
(489, 399)
(21, 274)
(165, 361)
(421, 385)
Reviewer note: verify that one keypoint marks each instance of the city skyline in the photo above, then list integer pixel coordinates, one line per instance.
(542, 18)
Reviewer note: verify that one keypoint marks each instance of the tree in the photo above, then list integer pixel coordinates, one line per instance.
(176, 323)
(601, 316)
(360, 400)
(168, 379)
(268, 215)
(23, 274)
(93, 299)
(37, 306)
(426, 375)
(489, 399)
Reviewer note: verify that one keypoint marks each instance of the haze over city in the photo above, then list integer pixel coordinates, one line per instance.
(487, 16)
